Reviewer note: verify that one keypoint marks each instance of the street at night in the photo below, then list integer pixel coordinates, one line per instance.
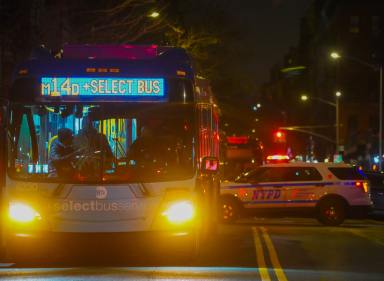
(192, 140)
(252, 249)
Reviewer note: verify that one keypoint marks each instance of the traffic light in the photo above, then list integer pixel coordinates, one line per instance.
(279, 136)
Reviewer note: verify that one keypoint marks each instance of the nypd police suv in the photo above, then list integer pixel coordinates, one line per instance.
(330, 192)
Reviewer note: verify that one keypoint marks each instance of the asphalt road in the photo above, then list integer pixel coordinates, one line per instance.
(252, 249)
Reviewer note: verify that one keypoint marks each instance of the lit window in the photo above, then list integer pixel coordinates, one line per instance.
(354, 24)
(375, 26)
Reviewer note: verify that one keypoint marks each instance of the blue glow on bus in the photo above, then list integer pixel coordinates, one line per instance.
(100, 86)
(134, 130)
(38, 168)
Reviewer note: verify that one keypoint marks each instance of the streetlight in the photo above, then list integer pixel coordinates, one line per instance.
(336, 55)
(154, 14)
(336, 106)
(256, 106)
(176, 29)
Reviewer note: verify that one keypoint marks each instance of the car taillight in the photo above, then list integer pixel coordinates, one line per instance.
(363, 185)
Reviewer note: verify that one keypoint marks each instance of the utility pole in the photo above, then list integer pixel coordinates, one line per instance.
(337, 126)
(336, 55)
(381, 118)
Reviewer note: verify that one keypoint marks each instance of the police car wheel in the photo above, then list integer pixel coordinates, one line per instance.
(230, 210)
(331, 212)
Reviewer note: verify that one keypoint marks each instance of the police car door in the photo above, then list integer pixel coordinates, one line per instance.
(301, 185)
(267, 191)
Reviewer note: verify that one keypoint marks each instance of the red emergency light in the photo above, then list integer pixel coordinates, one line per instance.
(277, 157)
(279, 136)
(238, 140)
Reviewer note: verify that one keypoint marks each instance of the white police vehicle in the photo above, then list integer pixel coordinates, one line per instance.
(330, 192)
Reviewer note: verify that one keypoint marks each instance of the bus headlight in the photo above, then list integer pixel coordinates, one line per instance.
(180, 212)
(23, 213)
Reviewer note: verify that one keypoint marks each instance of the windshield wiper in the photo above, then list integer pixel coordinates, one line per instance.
(119, 148)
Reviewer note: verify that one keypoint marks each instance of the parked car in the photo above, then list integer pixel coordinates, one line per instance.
(377, 189)
(330, 192)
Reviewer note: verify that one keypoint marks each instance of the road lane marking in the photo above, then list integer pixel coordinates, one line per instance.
(273, 256)
(263, 270)
(360, 233)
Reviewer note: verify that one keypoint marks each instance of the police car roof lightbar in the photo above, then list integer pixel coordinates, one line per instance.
(277, 157)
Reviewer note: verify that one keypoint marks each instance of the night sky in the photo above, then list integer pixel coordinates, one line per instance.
(270, 28)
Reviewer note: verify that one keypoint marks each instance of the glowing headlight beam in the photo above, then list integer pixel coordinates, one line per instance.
(23, 213)
(180, 212)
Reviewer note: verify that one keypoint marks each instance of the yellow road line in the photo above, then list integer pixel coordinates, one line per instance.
(264, 274)
(273, 256)
(359, 233)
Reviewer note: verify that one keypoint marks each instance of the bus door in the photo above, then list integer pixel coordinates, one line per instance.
(208, 158)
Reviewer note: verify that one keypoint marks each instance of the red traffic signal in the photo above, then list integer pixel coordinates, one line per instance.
(279, 136)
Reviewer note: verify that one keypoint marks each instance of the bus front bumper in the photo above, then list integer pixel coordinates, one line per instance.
(62, 244)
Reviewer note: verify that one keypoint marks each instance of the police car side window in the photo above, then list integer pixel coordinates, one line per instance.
(282, 174)
(251, 176)
(302, 174)
(274, 174)
(346, 173)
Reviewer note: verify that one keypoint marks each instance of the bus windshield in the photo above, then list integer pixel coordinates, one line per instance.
(101, 143)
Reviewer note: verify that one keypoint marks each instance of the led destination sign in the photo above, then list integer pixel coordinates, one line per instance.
(88, 87)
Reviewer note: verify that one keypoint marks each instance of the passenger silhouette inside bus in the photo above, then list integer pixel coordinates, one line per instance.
(159, 148)
(139, 150)
(95, 152)
(61, 155)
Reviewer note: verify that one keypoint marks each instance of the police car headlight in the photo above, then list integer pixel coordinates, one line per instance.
(23, 213)
(180, 212)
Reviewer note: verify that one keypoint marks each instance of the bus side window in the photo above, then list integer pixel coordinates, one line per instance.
(215, 131)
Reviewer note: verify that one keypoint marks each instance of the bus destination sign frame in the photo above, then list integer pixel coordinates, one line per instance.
(103, 87)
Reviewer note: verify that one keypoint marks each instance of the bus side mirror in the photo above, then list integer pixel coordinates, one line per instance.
(210, 165)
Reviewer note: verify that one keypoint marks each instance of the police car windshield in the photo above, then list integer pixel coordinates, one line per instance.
(93, 143)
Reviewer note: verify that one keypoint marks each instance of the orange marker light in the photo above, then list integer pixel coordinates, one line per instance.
(23, 71)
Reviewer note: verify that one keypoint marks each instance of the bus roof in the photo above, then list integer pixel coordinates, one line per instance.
(131, 73)
(101, 60)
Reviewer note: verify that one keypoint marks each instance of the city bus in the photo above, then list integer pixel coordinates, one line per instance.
(110, 142)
